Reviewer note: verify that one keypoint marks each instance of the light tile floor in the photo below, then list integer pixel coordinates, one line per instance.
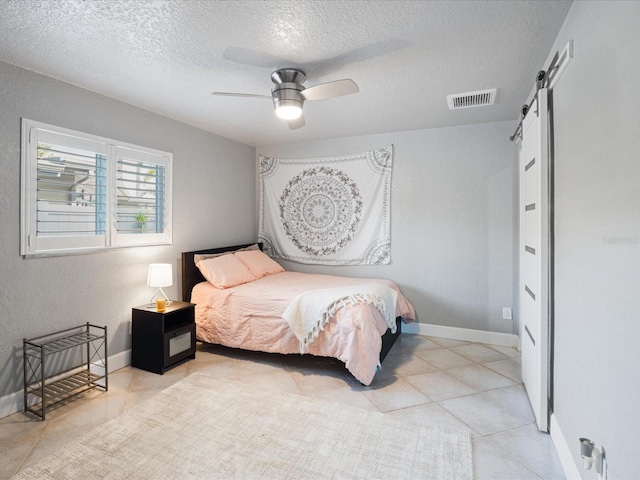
(444, 382)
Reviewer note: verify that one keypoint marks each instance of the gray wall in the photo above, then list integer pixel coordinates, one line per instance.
(213, 205)
(453, 227)
(597, 254)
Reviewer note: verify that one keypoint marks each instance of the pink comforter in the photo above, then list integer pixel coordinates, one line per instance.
(249, 316)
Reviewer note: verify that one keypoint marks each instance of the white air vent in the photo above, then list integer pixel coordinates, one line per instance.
(471, 99)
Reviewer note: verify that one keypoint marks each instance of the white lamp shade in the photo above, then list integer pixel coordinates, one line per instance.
(160, 275)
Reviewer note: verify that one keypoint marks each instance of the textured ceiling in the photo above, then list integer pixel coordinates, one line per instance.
(406, 57)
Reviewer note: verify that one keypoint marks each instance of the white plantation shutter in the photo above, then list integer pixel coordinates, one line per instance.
(142, 207)
(67, 182)
(84, 192)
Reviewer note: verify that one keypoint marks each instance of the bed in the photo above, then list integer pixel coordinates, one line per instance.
(249, 315)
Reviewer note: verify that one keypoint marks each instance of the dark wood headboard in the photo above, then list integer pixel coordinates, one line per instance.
(191, 276)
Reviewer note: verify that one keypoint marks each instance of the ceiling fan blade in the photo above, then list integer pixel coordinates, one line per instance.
(337, 88)
(249, 95)
(296, 123)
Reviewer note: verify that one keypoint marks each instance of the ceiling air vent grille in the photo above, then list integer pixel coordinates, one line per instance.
(471, 99)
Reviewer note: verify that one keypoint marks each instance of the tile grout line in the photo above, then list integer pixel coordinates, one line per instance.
(508, 454)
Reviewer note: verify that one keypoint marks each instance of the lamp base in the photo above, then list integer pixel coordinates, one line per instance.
(164, 295)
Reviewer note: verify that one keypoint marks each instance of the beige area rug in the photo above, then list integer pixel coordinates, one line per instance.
(202, 427)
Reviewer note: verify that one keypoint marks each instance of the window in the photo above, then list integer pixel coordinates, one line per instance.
(83, 192)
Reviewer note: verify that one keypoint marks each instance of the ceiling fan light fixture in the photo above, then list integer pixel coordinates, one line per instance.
(289, 109)
(289, 94)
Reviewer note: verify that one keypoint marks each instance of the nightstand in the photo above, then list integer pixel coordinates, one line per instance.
(162, 340)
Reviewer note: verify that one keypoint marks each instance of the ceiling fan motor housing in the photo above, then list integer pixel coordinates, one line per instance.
(287, 95)
(288, 75)
(286, 90)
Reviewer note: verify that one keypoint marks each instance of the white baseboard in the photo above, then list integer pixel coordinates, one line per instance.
(119, 360)
(465, 334)
(564, 451)
(10, 404)
(14, 402)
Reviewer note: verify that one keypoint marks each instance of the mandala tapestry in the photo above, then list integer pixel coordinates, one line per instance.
(331, 211)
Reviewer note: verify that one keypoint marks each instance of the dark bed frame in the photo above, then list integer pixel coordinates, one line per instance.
(191, 276)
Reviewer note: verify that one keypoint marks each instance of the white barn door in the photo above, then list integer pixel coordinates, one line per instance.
(534, 255)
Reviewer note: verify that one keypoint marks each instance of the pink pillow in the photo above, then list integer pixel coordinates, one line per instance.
(225, 271)
(259, 263)
(203, 256)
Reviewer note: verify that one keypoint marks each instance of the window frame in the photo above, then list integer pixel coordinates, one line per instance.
(33, 132)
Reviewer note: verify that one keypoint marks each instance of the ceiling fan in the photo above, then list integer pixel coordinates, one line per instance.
(289, 95)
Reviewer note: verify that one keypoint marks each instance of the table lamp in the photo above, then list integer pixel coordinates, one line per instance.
(160, 275)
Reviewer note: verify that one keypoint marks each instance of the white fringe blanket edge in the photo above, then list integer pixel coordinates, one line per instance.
(309, 312)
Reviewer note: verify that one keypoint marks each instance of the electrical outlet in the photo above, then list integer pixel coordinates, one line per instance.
(506, 313)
